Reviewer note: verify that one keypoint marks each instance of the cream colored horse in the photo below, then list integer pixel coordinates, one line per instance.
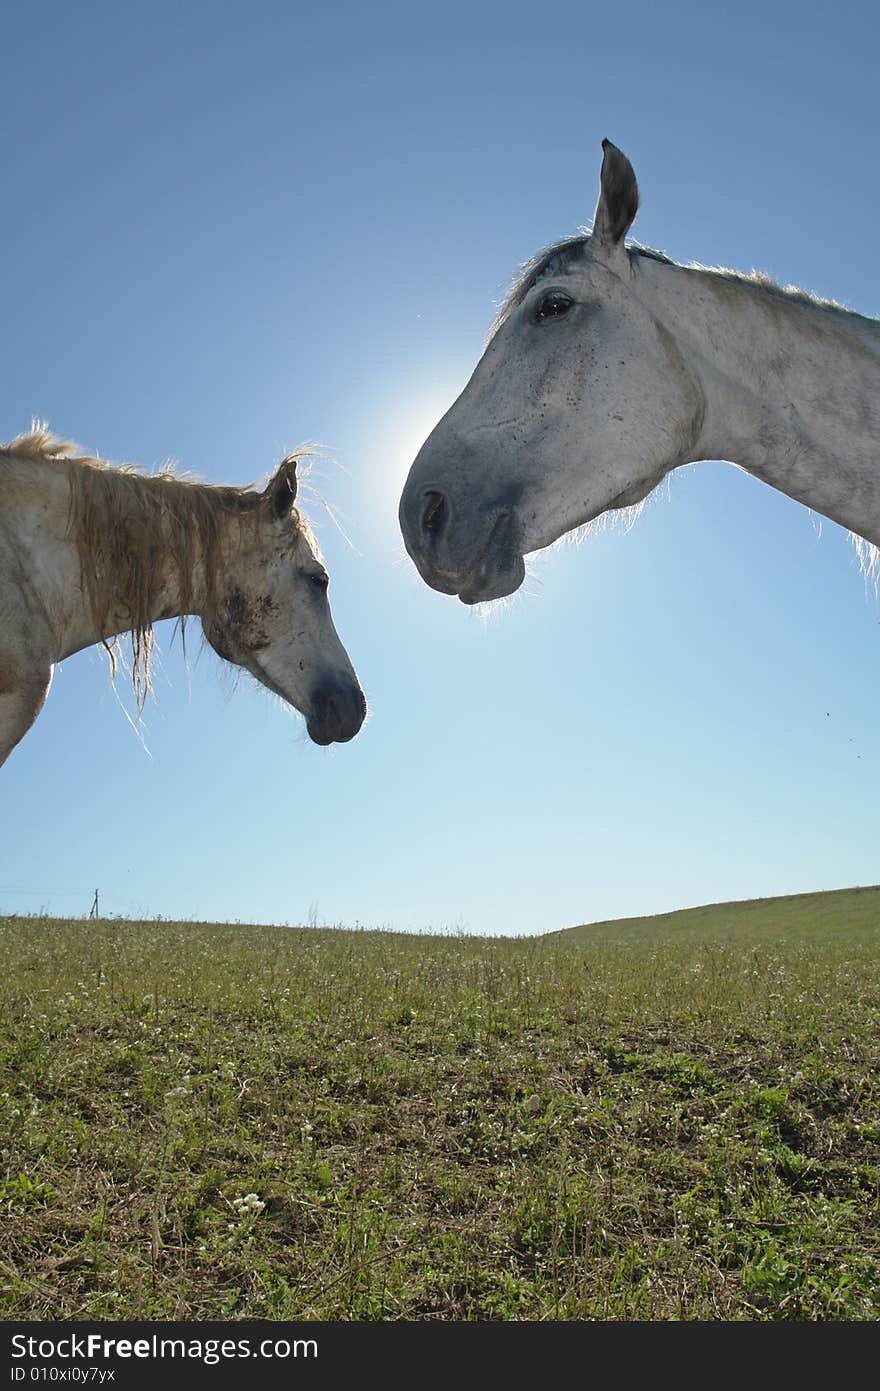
(610, 365)
(88, 551)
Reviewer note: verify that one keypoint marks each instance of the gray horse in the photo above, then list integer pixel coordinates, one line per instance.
(610, 365)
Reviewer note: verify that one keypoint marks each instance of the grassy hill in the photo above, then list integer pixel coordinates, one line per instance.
(836, 910)
(674, 1117)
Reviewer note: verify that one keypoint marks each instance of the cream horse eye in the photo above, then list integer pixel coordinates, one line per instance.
(553, 306)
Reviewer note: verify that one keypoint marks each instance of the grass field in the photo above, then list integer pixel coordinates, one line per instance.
(673, 1117)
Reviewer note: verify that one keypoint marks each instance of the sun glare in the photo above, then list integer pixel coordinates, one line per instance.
(401, 429)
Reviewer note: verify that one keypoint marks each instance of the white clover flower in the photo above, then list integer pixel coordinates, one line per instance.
(250, 1203)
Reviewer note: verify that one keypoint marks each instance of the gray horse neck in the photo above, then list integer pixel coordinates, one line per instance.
(792, 388)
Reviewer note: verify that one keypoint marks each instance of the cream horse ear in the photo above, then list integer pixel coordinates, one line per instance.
(618, 198)
(280, 494)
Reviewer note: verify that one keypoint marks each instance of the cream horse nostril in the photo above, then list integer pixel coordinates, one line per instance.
(338, 711)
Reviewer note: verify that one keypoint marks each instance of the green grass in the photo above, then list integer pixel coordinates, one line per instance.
(848, 911)
(673, 1117)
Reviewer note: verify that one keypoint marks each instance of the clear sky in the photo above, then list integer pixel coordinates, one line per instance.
(231, 228)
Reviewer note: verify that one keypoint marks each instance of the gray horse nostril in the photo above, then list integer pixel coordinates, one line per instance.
(434, 515)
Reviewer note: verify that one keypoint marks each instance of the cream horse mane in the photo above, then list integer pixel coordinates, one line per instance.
(126, 525)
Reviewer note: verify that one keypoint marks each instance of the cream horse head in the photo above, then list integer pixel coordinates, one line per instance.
(88, 551)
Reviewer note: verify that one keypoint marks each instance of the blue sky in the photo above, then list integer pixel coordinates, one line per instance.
(228, 229)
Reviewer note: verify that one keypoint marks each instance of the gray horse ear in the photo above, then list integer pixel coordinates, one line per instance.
(618, 197)
(281, 492)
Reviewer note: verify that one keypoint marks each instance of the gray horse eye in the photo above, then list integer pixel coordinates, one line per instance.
(553, 305)
(320, 581)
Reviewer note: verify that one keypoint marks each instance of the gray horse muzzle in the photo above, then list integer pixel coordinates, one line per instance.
(476, 555)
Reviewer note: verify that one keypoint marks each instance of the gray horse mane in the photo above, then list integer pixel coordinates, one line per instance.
(561, 255)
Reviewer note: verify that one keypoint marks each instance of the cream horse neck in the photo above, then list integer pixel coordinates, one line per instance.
(50, 562)
(791, 385)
